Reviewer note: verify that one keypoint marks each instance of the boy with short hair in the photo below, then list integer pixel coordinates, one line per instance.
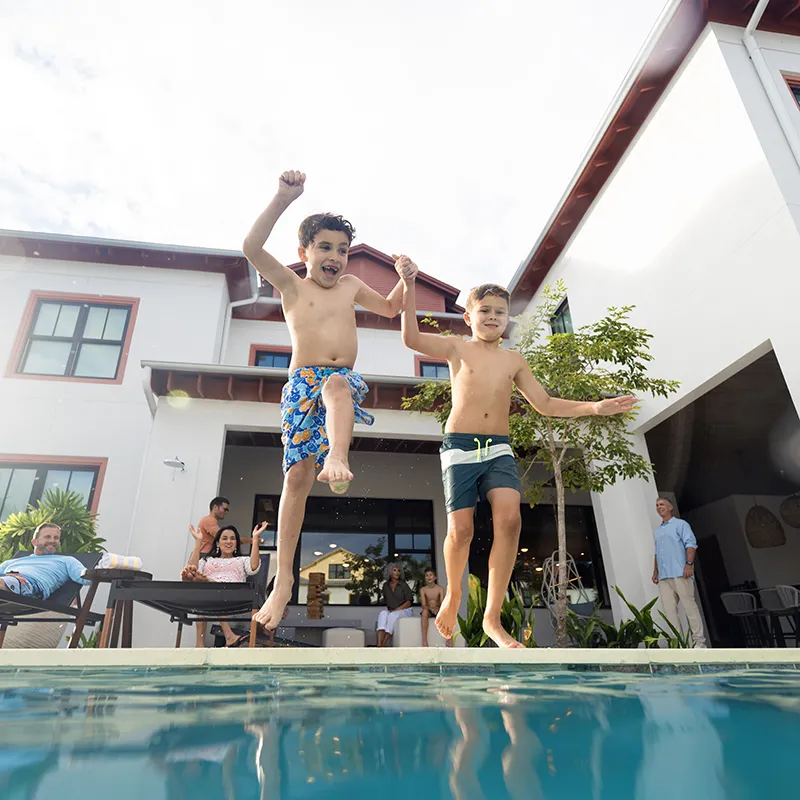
(322, 397)
(477, 459)
(431, 596)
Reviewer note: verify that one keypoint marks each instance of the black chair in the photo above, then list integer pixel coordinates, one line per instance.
(15, 609)
(190, 602)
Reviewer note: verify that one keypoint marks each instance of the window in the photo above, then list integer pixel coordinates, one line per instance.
(265, 358)
(432, 369)
(342, 536)
(562, 319)
(338, 572)
(71, 336)
(538, 541)
(793, 82)
(274, 356)
(22, 484)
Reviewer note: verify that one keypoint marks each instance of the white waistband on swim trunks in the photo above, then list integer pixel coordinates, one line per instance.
(451, 457)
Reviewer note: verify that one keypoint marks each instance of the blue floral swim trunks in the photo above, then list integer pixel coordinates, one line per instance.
(303, 412)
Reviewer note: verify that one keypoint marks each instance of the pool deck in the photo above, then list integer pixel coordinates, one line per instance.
(404, 659)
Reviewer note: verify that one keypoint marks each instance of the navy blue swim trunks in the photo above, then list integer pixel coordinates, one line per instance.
(473, 465)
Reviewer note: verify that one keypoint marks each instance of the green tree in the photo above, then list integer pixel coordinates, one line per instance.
(603, 359)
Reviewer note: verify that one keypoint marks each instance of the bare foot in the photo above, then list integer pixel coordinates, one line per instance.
(448, 615)
(495, 631)
(274, 610)
(336, 474)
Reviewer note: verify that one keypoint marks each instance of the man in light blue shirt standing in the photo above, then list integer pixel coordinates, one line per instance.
(674, 570)
(41, 573)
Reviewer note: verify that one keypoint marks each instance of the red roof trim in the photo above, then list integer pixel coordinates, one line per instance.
(665, 58)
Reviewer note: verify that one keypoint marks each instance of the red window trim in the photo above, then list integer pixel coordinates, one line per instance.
(274, 348)
(792, 80)
(419, 360)
(12, 370)
(65, 461)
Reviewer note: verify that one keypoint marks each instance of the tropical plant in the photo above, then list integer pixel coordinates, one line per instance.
(514, 617)
(67, 510)
(641, 629)
(604, 359)
(90, 641)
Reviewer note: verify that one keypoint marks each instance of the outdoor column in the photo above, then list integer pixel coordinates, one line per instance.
(626, 518)
(169, 499)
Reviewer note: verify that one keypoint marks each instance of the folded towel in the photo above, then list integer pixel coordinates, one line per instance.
(113, 561)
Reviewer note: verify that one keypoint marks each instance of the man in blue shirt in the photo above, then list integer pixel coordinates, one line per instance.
(674, 570)
(40, 574)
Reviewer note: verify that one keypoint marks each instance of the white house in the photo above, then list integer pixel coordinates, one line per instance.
(687, 205)
(121, 356)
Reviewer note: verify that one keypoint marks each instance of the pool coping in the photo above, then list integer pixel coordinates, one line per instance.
(322, 658)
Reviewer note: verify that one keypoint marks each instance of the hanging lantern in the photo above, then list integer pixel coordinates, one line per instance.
(790, 511)
(763, 528)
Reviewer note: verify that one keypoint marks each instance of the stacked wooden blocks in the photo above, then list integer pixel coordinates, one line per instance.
(316, 586)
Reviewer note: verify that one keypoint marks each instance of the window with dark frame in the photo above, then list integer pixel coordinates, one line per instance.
(795, 87)
(75, 340)
(538, 541)
(434, 369)
(561, 321)
(272, 358)
(22, 485)
(336, 528)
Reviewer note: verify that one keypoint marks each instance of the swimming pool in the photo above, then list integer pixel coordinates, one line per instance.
(392, 732)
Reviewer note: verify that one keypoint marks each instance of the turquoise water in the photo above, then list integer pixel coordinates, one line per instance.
(235, 734)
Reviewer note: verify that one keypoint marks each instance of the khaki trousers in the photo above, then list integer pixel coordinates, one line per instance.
(671, 590)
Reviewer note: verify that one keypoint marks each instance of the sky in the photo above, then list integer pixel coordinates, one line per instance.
(445, 130)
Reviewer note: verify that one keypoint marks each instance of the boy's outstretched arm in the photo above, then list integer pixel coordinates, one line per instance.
(533, 392)
(290, 187)
(385, 306)
(431, 344)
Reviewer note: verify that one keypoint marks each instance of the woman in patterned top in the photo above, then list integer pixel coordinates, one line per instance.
(224, 565)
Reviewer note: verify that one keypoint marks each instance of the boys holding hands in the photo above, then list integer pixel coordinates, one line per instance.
(477, 458)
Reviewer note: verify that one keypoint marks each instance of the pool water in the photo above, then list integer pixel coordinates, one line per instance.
(235, 734)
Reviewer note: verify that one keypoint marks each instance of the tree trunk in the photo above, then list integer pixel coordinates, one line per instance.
(561, 595)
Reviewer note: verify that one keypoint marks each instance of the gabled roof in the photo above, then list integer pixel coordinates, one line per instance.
(450, 292)
(670, 41)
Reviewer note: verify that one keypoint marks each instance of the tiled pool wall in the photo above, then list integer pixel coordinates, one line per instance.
(395, 660)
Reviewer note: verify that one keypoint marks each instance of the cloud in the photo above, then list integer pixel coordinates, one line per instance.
(443, 130)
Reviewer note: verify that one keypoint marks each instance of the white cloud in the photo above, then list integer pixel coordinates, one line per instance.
(445, 130)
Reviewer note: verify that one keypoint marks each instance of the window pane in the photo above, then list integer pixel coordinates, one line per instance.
(404, 541)
(56, 479)
(321, 551)
(46, 319)
(428, 371)
(115, 324)
(275, 360)
(5, 477)
(68, 316)
(413, 516)
(97, 361)
(47, 358)
(19, 492)
(95, 323)
(422, 541)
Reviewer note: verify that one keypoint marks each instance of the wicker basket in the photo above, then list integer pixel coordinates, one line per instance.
(763, 528)
(790, 511)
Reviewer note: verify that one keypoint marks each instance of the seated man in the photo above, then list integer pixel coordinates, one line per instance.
(41, 573)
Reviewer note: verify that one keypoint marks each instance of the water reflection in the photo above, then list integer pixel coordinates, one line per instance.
(241, 734)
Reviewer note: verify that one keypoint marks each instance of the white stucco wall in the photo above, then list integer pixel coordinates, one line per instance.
(694, 230)
(63, 418)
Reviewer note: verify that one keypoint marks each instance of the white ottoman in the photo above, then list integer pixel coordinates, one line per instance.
(408, 633)
(342, 637)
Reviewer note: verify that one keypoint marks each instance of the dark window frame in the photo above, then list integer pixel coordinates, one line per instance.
(562, 318)
(390, 530)
(273, 354)
(37, 492)
(77, 340)
(437, 365)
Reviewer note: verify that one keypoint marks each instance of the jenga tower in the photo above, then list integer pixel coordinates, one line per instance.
(316, 586)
